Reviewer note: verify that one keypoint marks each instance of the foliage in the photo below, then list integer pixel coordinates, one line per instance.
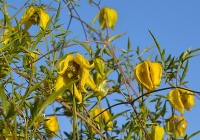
(79, 81)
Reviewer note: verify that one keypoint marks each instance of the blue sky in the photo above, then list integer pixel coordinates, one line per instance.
(175, 24)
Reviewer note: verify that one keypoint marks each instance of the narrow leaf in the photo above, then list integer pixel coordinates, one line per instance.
(3, 99)
(115, 37)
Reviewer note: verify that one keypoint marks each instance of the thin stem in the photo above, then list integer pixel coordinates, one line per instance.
(141, 123)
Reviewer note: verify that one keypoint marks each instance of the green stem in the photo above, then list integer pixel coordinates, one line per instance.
(75, 124)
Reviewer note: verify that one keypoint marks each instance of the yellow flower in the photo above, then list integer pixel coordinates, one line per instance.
(157, 133)
(180, 99)
(34, 58)
(34, 15)
(177, 125)
(13, 34)
(148, 74)
(109, 16)
(52, 125)
(72, 69)
(103, 89)
(105, 117)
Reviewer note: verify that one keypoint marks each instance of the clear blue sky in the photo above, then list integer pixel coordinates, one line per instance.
(175, 24)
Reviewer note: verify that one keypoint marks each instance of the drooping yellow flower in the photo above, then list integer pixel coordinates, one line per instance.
(157, 133)
(177, 125)
(52, 125)
(105, 117)
(148, 74)
(34, 15)
(109, 16)
(102, 85)
(13, 34)
(103, 89)
(180, 99)
(72, 69)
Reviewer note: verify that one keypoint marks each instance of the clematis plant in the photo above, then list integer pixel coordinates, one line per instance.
(13, 36)
(34, 15)
(148, 74)
(105, 117)
(107, 16)
(72, 69)
(177, 125)
(157, 133)
(52, 125)
(180, 99)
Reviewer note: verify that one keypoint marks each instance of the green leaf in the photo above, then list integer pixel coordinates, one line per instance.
(106, 51)
(3, 99)
(33, 88)
(157, 44)
(49, 100)
(115, 37)
(163, 55)
(11, 111)
(194, 134)
(94, 20)
(42, 33)
(129, 45)
(184, 72)
(162, 96)
(155, 99)
(88, 48)
(58, 13)
(170, 64)
(119, 114)
(144, 51)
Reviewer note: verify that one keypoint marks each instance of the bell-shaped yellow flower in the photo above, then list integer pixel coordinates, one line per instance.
(107, 16)
(34, 15)
(52, 125)
(72, 69)
(105, 117)
(148, 74)
(157, 133)
(180, 99)
(177, 125)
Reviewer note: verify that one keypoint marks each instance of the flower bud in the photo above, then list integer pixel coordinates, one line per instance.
(177, 125)
(107, 16)
(157, 133)
(148, 74)
(52, 125)
(180, 99)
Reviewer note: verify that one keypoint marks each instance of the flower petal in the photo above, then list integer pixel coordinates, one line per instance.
(182, 126)
(77, 93)
(52, 124)
(175, 100)
(187, 98)
(26, 16)
(157, 133)
(142, 75)
(63, 65)
(83, 62)
(177, 124)
(106, 116)
(111, 17)
(156, 73)
(44, 17)
(101, 16)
